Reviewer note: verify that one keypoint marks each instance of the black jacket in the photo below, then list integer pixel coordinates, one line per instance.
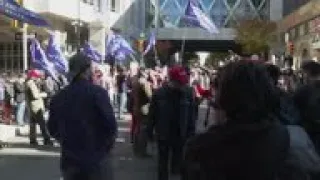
(161, 113)
(234, 152)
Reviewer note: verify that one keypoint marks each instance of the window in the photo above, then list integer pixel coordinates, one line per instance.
(292, 34)
(98, 5)
(91, 2)
(115, 5)
(302, 31)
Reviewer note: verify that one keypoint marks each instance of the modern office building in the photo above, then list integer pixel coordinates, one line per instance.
(224, 13)
(300, 31)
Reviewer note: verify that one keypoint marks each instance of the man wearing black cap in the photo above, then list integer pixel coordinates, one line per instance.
(307, 99)
(83, 121)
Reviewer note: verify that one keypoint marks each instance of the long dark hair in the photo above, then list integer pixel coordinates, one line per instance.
(246, 92)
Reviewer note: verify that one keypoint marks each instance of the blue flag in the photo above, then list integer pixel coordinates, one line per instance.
(195, 17)
(92, 53)
(117, 47)
(40, 60)
(13, 10)
(151, 42)
(56, 56)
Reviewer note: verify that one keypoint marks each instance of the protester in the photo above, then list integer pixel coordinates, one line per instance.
(288, 114)
(141, 97)
(35, 100)
(19, 88)
(250, 144)
(307, 99)
(172, 116)
(8, 100)
(121, 84)
(83, 122)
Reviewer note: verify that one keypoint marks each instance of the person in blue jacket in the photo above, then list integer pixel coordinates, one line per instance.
(83, 122)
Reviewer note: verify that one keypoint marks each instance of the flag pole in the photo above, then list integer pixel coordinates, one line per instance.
(183, 45)
(156, 22)
(182, 49)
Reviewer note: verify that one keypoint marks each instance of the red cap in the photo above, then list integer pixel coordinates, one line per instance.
(34, 74)
(179, 74)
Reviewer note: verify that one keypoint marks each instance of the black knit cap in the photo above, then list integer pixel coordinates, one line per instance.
(78, 64)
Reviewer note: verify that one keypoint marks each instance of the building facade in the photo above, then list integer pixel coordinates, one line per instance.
(300, 29)
(292, 5)
(72, 21)
(77, 21)
(224, 13)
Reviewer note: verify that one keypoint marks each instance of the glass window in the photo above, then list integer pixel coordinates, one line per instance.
(219, 13)
(292, 34)
(113, 5)
(231, 3)
(256, 3)
(306, 28)
(302, 30)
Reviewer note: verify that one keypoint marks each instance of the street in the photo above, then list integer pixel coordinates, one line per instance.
(20, 161)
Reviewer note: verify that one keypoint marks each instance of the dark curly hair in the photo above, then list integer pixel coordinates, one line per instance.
(246, 92)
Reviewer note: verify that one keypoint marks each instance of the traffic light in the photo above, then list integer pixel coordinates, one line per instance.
(291, 48)
(15, 23)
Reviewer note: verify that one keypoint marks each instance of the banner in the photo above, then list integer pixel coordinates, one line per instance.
(13, 10)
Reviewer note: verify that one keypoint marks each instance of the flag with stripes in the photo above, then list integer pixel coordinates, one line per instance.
(195, 17)
(56, 56)
(91, 53)
(40, 61)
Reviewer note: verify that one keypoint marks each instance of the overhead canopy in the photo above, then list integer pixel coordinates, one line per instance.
(13, 10)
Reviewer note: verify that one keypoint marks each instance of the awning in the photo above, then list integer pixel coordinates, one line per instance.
(13, 10)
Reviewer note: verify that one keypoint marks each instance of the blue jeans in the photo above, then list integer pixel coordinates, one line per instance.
(122, 102)
(20, 113)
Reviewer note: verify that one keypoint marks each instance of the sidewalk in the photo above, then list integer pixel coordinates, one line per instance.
(7, 132)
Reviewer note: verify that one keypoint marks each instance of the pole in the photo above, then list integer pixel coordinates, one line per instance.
(182, 50)
(25, 46)
(183, 45)
(79, 26)
(156, 20)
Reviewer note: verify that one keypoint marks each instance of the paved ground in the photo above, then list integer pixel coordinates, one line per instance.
(21, 162)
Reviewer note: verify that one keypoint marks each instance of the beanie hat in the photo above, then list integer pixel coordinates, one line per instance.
(78, 64)
(179, 74)
(34, 74)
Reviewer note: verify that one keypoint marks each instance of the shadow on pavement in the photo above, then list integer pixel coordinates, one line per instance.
(40, 167)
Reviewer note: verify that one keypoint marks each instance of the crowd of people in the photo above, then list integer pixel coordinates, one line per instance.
(261, 122)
